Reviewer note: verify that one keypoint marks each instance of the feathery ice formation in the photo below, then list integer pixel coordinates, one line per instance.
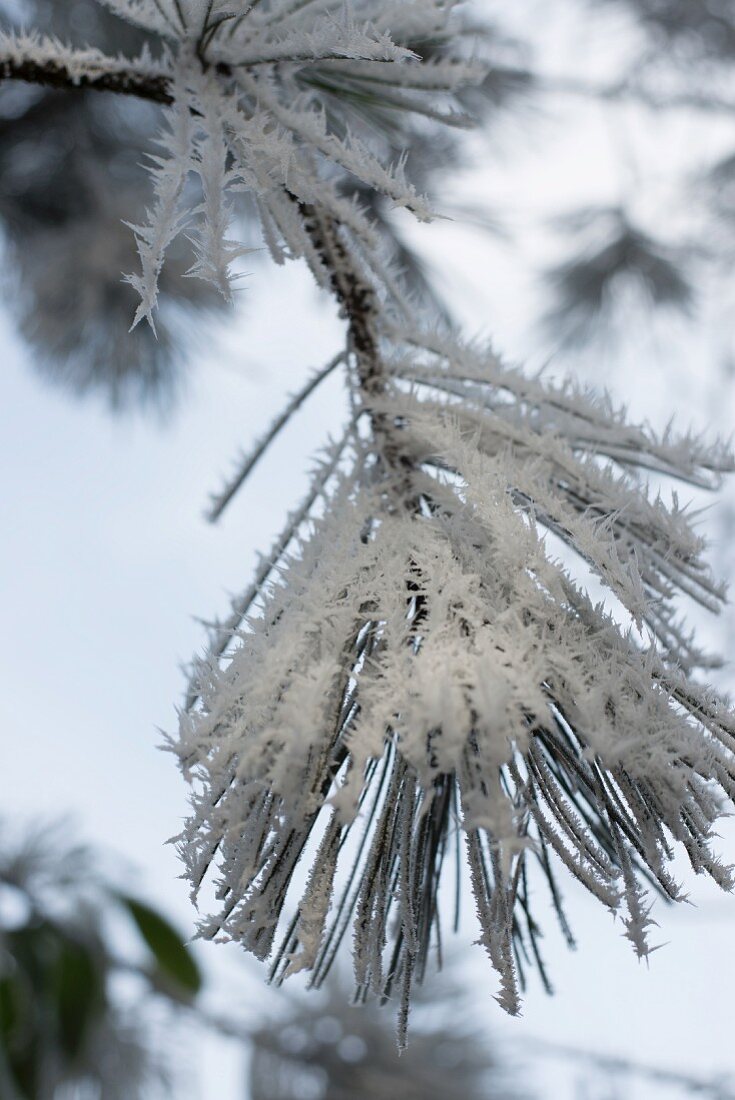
(420, 676)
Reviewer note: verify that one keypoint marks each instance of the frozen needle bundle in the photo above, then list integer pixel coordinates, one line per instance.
(421, 675)
(418, 667)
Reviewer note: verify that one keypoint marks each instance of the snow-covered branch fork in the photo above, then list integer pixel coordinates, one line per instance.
(412, 673)
(32, 61)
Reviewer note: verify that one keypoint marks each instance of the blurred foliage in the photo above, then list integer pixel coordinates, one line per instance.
(681, 59)
(321, 1048)
(69, 1032)
(65, 1030)
(318, 1047)
(612, 256)
(700, 29)
(718, 185)
(71, 171)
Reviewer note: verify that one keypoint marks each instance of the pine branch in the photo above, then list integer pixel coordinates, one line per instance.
(417, 653)
(359, 302)
(47, 62)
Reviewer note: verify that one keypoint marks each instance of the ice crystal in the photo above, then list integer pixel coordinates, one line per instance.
(421, 669)
(261, 87)
(415, 669)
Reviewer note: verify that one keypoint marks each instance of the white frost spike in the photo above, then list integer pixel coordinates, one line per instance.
(214, 252)
(178, 19)
(88, 64)
(165, 219)
(262, 99)
(324, 37)
(420, 665)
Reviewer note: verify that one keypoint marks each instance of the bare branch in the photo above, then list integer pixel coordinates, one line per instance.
(714, 1087)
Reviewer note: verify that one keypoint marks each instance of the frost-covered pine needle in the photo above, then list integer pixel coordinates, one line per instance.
(423, 673)
(413, 678)
(261, 97)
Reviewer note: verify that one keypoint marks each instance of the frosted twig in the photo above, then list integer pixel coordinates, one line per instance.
(219, 501)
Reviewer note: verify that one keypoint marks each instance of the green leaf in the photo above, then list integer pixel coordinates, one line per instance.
(49, 999)
(173, 958)
(77, 995)
(10, 1009)
(20, 1060)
